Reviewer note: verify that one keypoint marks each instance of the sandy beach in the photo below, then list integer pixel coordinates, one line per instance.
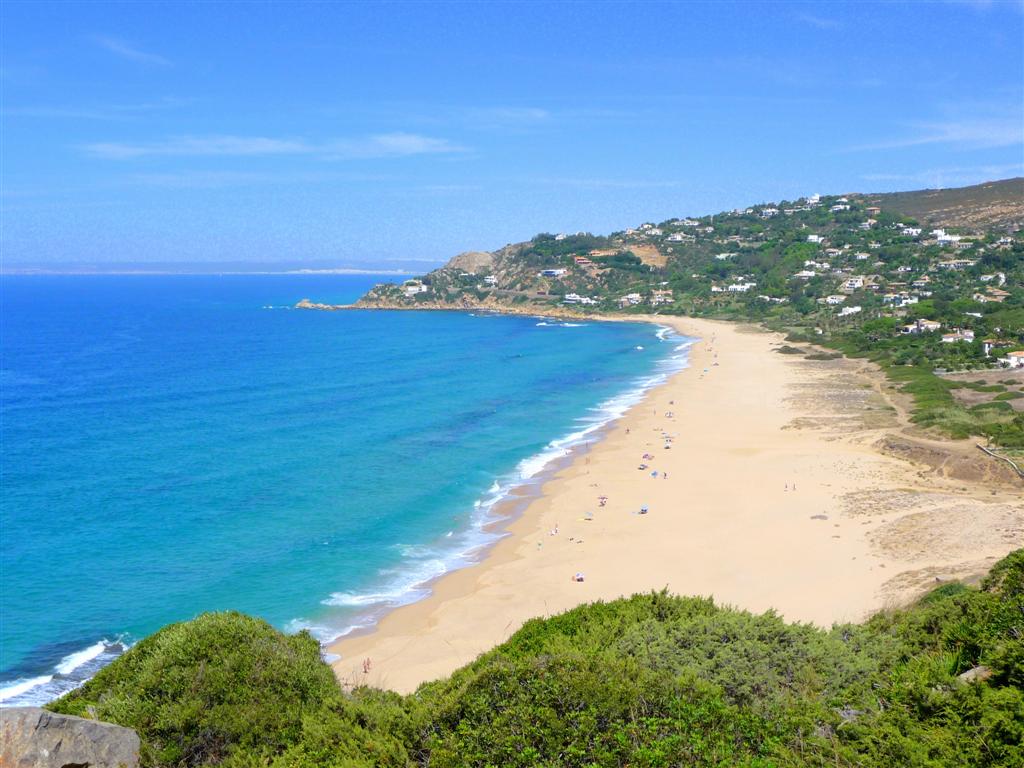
(771, 481)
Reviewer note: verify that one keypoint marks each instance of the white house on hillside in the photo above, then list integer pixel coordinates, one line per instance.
(965, 334)
(1013, 359)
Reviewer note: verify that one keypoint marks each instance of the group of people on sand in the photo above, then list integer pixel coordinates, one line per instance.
(602, 500)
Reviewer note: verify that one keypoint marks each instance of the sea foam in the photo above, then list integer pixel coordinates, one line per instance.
(69, 673)
(423, 564)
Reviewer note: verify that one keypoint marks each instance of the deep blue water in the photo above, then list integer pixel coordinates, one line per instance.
(178, 444)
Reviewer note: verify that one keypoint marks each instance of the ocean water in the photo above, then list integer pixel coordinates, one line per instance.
(177, 444)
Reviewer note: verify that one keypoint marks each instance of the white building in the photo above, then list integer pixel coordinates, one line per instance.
(659, 297)
(847, 311)
(575, 298)
(958, 335)
(413, 287)
(901, 299)
(922, 326)
(1013, 359)
(956, 264)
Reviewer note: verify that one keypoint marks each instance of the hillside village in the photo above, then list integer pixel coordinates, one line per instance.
(940, 291)
(831, 263)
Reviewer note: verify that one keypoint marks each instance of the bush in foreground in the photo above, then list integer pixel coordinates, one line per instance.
(224, 686)
(652, 680)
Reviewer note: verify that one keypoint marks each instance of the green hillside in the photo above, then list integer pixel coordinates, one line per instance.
(900, 278)
(652, 680)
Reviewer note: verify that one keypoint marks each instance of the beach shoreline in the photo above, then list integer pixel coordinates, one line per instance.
(760, 509)
(516, 494)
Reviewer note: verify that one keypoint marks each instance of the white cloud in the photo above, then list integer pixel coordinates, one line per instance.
(504, 117)
(599, 183)
(950, 176)
(200, 146)
(95, 112)
(212, 179)
(200, 179)
(390, 145)
(820, 22)
(127, 51)
(985, 6)
(973, 133)
(379, 145)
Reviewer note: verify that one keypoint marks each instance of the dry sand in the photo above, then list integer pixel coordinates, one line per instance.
(776, 497)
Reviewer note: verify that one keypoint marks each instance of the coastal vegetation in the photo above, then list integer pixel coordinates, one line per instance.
(922, 283)
(651, 680)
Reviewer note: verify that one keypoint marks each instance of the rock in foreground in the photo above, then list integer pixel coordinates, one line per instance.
(31, 737)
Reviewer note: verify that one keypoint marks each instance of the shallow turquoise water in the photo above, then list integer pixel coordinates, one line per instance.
(177, 444)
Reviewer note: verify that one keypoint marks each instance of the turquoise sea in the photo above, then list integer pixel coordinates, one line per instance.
(177, 444)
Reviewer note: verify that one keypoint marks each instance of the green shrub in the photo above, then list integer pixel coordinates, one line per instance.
(222, 686)
(651, 680)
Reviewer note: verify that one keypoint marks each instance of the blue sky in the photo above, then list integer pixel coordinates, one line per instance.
(358, 133)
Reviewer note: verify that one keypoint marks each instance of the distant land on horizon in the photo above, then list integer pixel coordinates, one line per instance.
(388, 267)
(988, 202)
